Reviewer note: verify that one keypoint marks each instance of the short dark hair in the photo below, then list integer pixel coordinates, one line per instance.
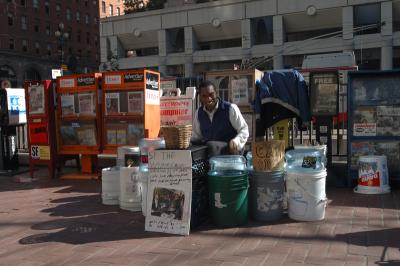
(205, 84)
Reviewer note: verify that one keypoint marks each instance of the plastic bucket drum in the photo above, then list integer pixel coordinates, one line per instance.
(143, 178)
(130, 190)
(228, 197)
(373, 176)
(110, 186)
(306, 195)
(266, 195)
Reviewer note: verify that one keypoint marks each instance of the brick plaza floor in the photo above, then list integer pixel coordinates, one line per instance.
(62, 222)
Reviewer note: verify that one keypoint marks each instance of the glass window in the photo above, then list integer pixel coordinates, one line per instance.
(367, 18)
(48, 49)
(78, 16)
(24, 45)
(103, 6)
(111, 10)
(36, 27)
(118, 11)
(37, 47)
(10, 20)
(95, 19)
(88, 37)
(68, 14)
(35, 4)
(48, 29)
(58, 7)
(23, 23)
(78, 36)
(23, 3)
(87, 19)
(11, 43)
(46, 7)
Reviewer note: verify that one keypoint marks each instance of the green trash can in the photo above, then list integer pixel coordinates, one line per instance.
(228, 197)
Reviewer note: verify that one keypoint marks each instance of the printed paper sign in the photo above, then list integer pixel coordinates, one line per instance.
(364, 129)
(176, 111)
(152, 97)
(240, 90)
(169, 195)
(112, 79)
(40, 152)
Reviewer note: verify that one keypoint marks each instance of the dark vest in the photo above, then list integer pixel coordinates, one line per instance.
(220, 129)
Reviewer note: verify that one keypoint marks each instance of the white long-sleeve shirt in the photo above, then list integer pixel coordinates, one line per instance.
(237, 122)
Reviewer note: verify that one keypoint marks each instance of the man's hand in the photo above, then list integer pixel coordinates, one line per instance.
(233, 147)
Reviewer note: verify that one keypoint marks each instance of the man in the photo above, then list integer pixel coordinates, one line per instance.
(218, 123)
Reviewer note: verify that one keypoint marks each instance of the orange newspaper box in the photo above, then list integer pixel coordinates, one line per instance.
(79, 121)
(131, 108)
(39, 97)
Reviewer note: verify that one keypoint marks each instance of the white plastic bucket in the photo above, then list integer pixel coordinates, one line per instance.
(373, 177)
(130, 190)
(110, 186)
(306, 195)
(322, 148)
(128, 156)
(144, 183)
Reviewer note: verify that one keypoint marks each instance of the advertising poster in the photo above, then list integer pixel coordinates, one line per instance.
(16, 106)
(240, 91)
(36, 99)
(169, 192)
(176, 111)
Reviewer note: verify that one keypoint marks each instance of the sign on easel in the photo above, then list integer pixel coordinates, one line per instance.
(169, 196)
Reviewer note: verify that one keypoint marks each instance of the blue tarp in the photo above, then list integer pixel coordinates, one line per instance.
(282, 94)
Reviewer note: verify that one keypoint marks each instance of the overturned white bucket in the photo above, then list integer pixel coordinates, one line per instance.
(306, 195)
(110, 186)
(373, 176)
(130, 189)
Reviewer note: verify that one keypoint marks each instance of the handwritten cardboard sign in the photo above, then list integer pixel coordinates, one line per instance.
(268, 155)
(169, 195)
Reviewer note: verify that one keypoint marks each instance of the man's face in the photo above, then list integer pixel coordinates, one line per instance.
(208, 97)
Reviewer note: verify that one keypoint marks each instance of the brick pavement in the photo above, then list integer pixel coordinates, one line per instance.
(62, 222)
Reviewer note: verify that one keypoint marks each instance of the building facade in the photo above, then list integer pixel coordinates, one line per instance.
(29, 47)
(111, 8)
(191, 38)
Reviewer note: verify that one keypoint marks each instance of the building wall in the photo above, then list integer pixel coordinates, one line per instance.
(300, 27)
(111, 8)
(43, 49)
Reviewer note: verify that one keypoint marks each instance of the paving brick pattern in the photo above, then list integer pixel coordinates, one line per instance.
(62, 222)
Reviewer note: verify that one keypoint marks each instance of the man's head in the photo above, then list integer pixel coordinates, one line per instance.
(208, 95)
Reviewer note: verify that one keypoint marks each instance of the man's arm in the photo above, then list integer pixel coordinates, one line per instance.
(196, 132)
(240, 125)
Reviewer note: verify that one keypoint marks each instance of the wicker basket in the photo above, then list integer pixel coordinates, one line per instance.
(177, 137)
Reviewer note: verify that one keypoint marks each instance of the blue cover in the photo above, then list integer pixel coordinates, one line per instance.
(282, 94)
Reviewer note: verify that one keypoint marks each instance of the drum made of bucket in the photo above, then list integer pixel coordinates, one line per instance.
(306, 195)
(130, 190)
(143, 178)
(373, 175)
(110, 186)
(128, 156)
(266, 195)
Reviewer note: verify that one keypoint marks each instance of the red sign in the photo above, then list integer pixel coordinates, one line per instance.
(369, 180)
(38, 133)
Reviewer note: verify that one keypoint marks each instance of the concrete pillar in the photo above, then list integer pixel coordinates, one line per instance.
(104, 49)
(246, 34)
(387, 19)
(162, 42)
(279, 39)
(278, 61)
(347, 23)
(162, 69)
(116, 47)
(190, 40)
(387, 35)
(189, 70)
(387, 54)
